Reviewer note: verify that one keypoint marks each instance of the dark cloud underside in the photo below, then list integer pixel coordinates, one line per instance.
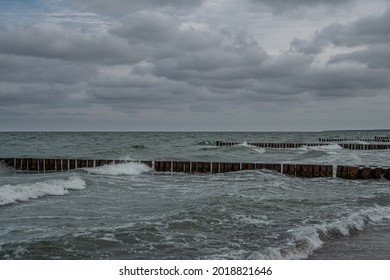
(143, 62)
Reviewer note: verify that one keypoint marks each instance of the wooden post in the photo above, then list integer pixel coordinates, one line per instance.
(353, 172)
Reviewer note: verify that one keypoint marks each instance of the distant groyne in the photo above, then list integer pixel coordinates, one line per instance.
(271, 145)
(291, 169)
(376, 139)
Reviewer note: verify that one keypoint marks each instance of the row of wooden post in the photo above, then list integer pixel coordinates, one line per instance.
(379, 138)
(362, 172)
(350, 146)
(376, 139)
(45, 165)
(297, 170)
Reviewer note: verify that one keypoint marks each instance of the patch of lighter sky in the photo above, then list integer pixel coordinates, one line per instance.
(278, 32)
(274, 32)
(115, 71)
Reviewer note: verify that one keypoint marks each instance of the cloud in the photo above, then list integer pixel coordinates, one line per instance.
(126, 6)
(41, 95)
(147, 26)
(164, 33)
(283, 5)
(344, 82)
(374, 57)
(201, 57)
(55, 42)
(19, 69)
(365, 31)
(181, 63)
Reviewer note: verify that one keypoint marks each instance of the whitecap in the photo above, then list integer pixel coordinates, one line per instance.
(128, 168)
(324, 148)
(306, 239)
(24, 192)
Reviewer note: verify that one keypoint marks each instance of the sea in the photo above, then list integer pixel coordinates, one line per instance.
(128, 211)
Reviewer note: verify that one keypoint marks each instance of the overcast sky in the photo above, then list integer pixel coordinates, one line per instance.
(195, 65)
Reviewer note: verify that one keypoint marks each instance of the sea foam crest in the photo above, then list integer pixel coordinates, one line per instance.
(23, 192)
(255, 148)
(128, 168)
(310, 238)
(330, 147)
(244, 144)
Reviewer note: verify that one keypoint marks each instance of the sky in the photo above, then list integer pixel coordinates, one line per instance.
(195, 65)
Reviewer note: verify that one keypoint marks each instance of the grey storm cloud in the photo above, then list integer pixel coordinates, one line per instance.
(223, 64)
(373, 57)
(24, 69)
(204, 57)
(120, 6)
(41, 95)
(288, 5)
(162, 58)
(367, 31)
(343, 82)
(54, 42)
(186, 54)
(163, 35)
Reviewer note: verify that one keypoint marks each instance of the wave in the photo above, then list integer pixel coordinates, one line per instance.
(330, 147)
(325, 148)
(128, 168)
(332, 154)
(126, 158)
(260, 150)
(248, 219)
(206, 143)
(305, 240)
(139, 146)
(255, 148)
(23, 192)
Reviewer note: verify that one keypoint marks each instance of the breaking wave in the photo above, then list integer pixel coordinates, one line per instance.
(255, 148)
(305, 240)
(331, 147)
(23, 192)
(128, 168)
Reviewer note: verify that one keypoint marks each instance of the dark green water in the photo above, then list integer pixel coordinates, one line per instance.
(130, 212)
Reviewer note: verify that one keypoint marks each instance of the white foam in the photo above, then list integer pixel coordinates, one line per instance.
(245, 144)
(305, 240)
(126, 158)
(23, 192)
(255, 148)
(330, 147)
(260, 150)
(109, 237)
(356, 221)
(259, 221)
(341, 157)
(128, 168)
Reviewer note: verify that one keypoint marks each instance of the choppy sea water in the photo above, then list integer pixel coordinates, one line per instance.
(128, 211)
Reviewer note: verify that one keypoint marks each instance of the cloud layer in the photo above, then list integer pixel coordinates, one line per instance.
(175, 65)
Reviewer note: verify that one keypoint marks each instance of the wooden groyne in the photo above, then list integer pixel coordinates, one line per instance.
(58, 165)
(298, 170)
(47, 165)
(376, 139)
(350, 146)
(362, 172)
(382, 138)
(291, 169)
